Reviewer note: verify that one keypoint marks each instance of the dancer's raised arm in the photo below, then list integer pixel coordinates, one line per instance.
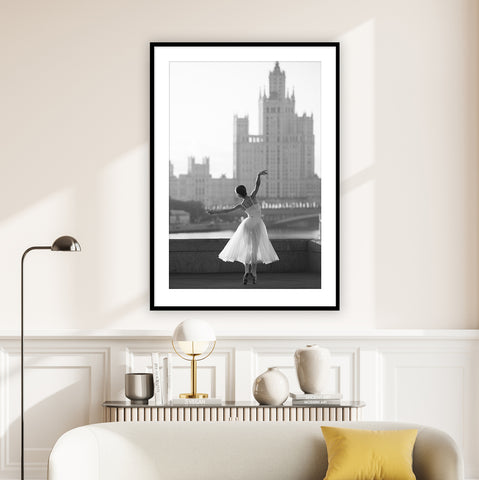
(224, 210)
(258, 182)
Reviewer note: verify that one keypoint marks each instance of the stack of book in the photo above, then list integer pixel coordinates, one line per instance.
(162, 376)
(315, 398)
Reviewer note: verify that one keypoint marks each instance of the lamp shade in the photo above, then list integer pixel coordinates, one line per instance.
(194, 337)
(66, 244)
(194, 331)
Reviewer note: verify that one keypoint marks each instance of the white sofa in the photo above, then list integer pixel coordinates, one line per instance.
(226, 451)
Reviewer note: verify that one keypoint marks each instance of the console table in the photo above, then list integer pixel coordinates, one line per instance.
(232, 411)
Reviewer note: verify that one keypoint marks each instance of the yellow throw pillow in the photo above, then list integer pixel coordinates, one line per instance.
(369, 455)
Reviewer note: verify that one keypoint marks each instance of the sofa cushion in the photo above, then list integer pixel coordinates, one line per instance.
(369, 455)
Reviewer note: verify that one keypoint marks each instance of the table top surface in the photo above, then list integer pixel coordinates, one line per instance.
(229, 404)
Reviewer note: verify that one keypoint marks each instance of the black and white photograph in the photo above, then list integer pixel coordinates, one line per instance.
(244, 173)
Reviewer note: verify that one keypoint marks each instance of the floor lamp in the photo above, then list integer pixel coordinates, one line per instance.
(61, 244)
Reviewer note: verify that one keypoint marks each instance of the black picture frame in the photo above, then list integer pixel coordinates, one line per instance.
(168, 297)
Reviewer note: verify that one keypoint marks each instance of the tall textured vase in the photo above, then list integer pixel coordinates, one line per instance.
(312, 366)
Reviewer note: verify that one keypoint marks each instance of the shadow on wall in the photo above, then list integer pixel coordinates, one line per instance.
(80, 175)
(74, 144)
(107, 208)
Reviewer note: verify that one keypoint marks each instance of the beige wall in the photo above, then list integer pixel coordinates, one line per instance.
(74, 112)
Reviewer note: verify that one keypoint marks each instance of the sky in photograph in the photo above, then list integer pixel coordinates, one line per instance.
(205, 96)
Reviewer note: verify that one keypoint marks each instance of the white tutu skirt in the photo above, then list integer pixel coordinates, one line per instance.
(249, 244)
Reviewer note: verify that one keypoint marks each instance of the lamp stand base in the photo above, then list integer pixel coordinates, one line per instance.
(193, 395)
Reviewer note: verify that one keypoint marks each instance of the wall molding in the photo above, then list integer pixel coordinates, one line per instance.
(384, 368)
(318, 334)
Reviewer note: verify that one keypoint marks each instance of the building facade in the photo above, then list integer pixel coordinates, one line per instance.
(198, 185)
(284, 146)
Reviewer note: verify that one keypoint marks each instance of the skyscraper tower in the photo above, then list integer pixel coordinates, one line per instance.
(284, 145)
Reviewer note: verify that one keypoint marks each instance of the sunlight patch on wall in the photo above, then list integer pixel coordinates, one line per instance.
(358, 176)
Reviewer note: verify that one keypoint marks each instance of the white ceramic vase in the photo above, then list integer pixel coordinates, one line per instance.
(271, 387)
(312, 366)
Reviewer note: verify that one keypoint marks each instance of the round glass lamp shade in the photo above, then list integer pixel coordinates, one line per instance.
(194, 338)
(66, 244)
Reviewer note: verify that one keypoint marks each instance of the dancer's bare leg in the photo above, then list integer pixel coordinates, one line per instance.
(254, 259)
(247, 267)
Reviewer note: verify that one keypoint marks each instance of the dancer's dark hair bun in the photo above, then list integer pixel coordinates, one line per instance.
(241, 190)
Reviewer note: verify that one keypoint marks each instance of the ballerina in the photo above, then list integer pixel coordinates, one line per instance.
(249, 244)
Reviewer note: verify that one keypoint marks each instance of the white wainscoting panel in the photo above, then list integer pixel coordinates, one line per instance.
(414, 376)
(438, 388)
(63, 390)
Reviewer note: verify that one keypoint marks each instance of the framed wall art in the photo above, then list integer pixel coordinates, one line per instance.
(244, 164)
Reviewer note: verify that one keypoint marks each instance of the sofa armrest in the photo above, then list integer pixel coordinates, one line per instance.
(436, 456)
(74, 456)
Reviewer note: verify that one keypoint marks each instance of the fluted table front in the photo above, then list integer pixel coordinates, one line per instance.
(233, 411)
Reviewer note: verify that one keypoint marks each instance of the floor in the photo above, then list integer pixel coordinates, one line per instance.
(235, 280)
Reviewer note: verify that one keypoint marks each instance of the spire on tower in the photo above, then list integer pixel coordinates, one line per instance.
(277, 83)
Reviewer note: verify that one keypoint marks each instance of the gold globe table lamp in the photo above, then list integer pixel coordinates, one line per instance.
(193, 340)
